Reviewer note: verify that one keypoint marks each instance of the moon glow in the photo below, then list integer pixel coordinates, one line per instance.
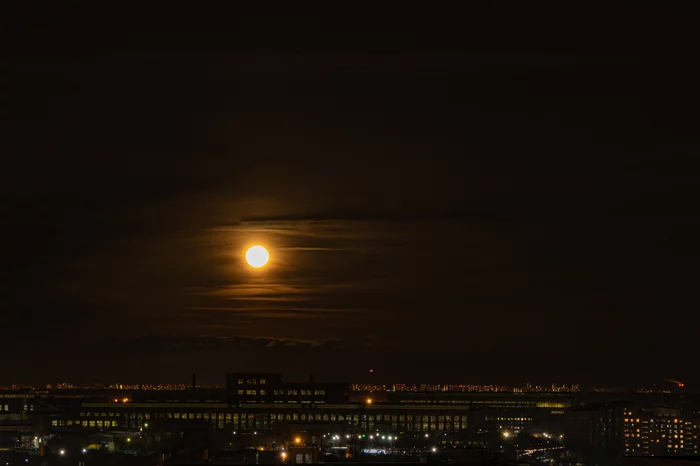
(257, 256)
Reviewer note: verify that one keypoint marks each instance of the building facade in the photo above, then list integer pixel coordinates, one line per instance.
(660, 432)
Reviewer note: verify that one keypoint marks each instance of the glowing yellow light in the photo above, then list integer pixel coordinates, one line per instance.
(257, 256)
(297, 440)
(369, 401)
(284, 455)
(125, 400)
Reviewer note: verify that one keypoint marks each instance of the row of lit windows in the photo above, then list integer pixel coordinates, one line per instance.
(110, 414)
(58, 423)
(406, 423)
(281, 392)
(668, 421)
(424, 423)
(251, 381)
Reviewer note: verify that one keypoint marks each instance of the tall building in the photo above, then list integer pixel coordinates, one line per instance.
(660, 432)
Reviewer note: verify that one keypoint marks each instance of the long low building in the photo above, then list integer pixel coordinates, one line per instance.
(263, 402)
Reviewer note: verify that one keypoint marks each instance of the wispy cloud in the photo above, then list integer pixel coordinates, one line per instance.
(276, 312)
(209, 342)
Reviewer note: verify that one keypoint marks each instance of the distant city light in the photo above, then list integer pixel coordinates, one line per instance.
(369, 401)
(427, 435)
(84, 450)
(434, 449)
(62, 452)
(297, 440)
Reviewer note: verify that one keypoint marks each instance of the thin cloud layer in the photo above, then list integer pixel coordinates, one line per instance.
(215, 343)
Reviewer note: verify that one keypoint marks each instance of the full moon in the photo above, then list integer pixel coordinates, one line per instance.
(257, 256)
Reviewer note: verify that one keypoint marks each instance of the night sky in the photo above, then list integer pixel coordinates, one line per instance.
(486, 196)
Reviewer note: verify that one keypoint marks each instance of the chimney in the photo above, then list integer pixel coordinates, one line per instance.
(194, 380)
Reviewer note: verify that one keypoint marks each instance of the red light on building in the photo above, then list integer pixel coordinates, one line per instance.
(371, 371)
(680, 384)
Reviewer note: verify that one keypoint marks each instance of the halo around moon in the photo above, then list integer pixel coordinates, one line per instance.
(257, 256)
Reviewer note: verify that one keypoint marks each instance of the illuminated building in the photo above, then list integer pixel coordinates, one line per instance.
(266, 403)
(270, 389)
(659, 432)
